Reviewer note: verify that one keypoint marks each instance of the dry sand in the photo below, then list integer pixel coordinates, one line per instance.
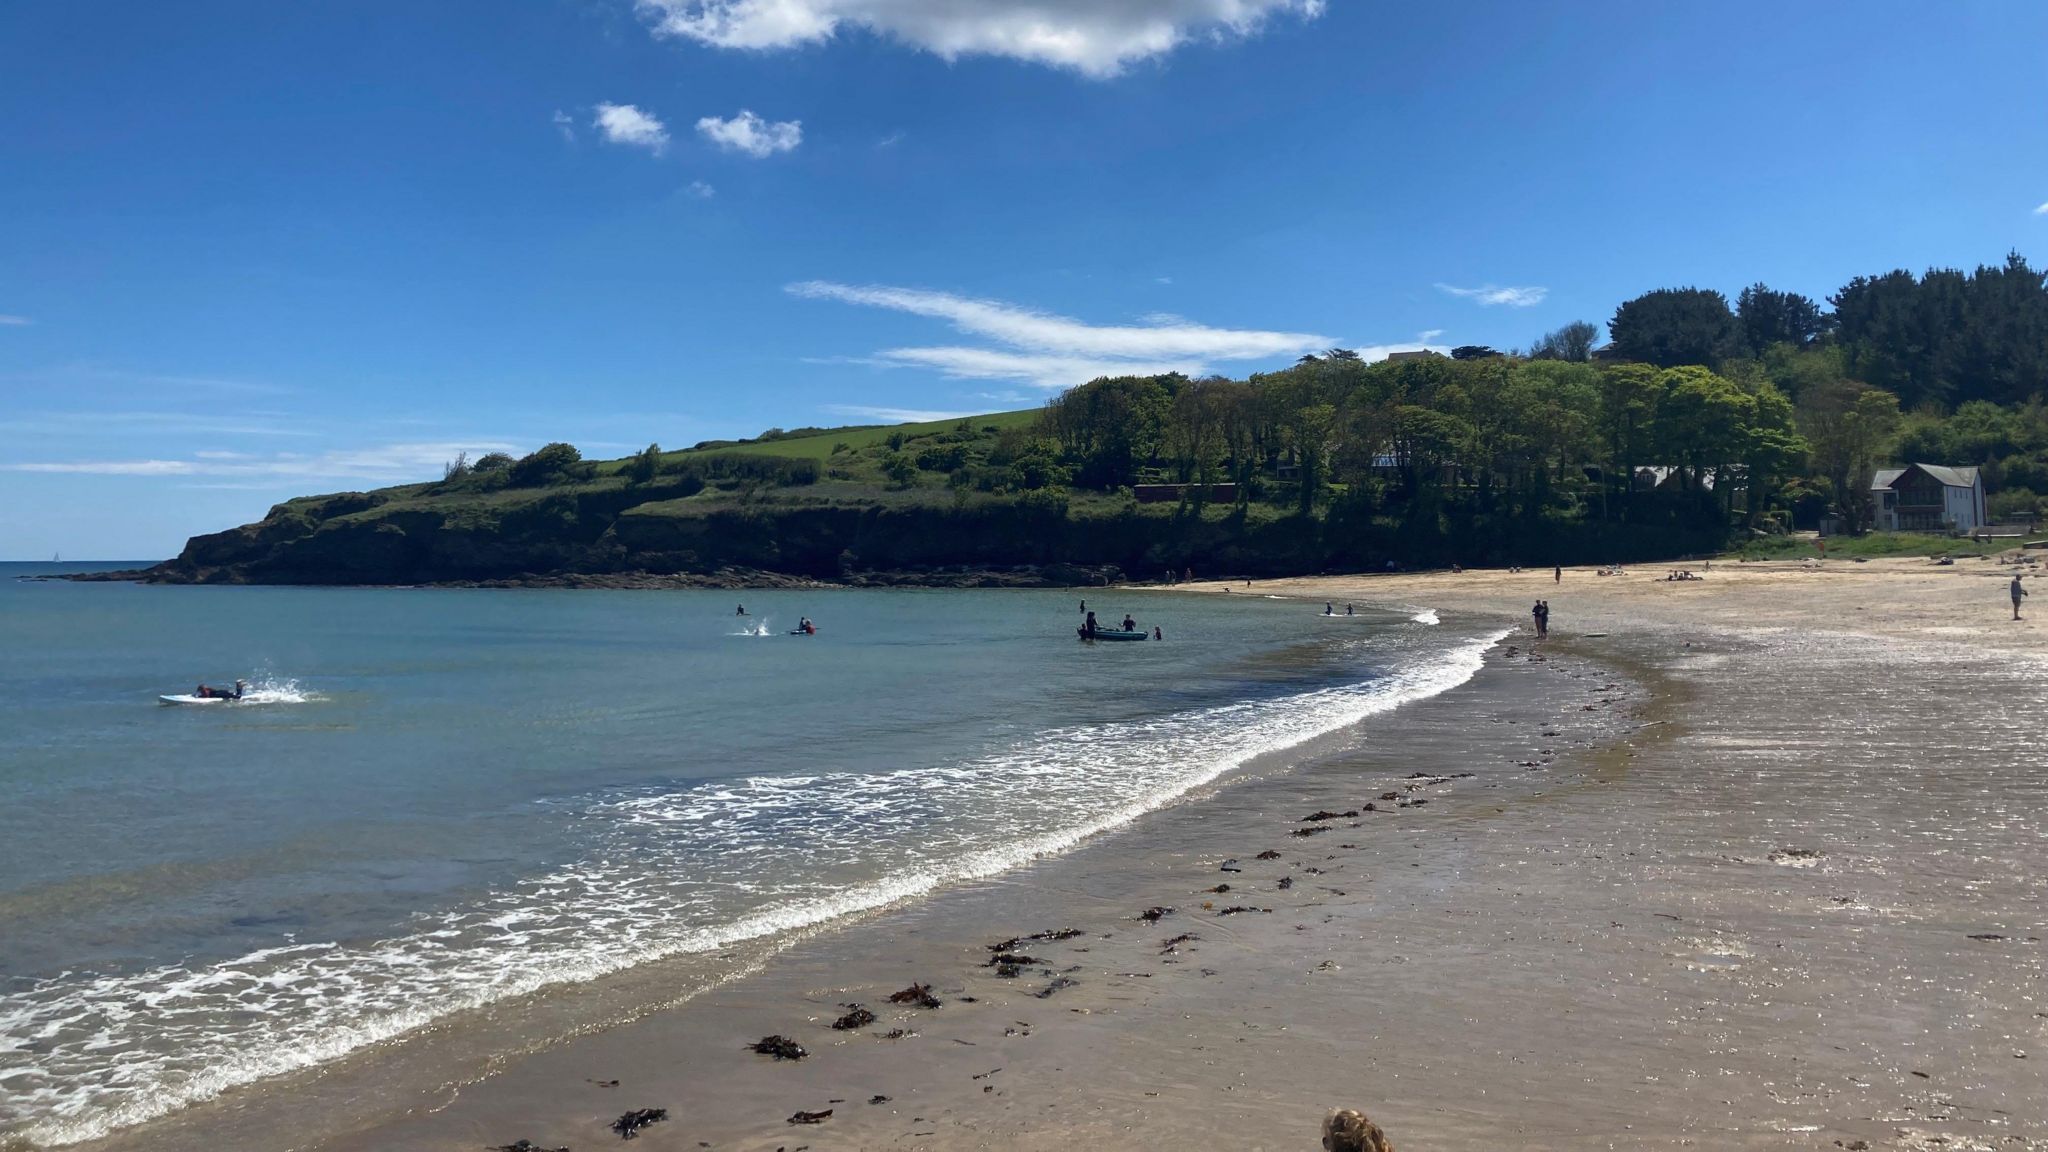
(1763, 866)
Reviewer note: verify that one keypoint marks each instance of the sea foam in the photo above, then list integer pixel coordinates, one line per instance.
(83, 1055)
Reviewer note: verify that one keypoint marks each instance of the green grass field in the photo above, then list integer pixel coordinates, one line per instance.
(1874, 546)
(819, 447)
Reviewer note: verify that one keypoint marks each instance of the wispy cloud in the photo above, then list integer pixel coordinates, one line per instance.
(629, 125)
(891, 140)
(894, 415)
(1490, 295)
(1037, 368)
(699, 190)
(752, 135)
(7, 321)
(2042, 210)
(1097, 38)
(1046, 331)
(1053, 351)
(1428, 334)
(68, 380)
(99, 424)
(566, 125)
(387, 463)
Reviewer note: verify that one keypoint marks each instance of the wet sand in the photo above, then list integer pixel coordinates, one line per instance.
(1761, 867)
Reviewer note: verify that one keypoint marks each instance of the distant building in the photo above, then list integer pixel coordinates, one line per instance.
(1927, 498)
(1418, 354)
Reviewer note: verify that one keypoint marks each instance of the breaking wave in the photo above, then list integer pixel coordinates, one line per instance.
(82, 1055)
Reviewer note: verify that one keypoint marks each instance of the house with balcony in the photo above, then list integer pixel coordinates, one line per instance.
(1927, 498)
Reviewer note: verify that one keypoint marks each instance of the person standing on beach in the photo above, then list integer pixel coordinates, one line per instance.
(1536, 618)
(1557, 574)
(2017, 593)
(1542, 619)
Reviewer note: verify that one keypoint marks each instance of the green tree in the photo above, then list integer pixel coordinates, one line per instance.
(1769, 317)
(1112, 426)
(545, 465)
(900, 469)
(1629, 395)
(1851, 428)
(1574, 342)
(1193, 434)
(645, 465)
(1674, 326)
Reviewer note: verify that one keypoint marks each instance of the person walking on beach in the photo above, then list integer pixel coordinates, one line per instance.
(2017, 593)
(1541, 614)
(1557, 574)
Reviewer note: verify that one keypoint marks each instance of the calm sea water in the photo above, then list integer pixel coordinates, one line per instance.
(439, 799)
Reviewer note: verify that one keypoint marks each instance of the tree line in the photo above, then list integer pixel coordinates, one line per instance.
(1759, 414)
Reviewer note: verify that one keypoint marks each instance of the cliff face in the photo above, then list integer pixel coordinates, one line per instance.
(609, 532)
(370, 539)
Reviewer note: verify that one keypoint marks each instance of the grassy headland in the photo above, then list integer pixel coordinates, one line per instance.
(1700, 427)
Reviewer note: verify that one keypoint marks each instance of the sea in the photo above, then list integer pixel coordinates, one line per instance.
(431, 801)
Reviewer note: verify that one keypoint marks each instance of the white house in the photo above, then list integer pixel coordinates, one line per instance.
(1927, 498)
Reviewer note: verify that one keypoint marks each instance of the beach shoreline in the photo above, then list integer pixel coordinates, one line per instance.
(1630, 934)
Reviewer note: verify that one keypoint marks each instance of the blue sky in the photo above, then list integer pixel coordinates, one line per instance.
(256, 250)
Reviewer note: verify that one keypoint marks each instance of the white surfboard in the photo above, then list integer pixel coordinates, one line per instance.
(191, 699)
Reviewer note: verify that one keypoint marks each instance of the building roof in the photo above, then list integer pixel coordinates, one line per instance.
(1952, 477)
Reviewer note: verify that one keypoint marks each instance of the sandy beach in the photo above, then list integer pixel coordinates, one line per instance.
(1753, 861)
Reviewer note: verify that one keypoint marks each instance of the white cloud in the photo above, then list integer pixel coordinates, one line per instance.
(232, 422)
(749, 133)
(628, 125)
(1046, 332)
(2042, 210)
(388, 463)
(1094, 37)
(895, 415)
(701, 190)
(14, 321)
(1052, 351)
(1428, 334)
(891, 140)
(1490, 295)
(1037, 368)
(566, 125)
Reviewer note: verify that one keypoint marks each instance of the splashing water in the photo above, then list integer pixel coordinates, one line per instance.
(83, 1054)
